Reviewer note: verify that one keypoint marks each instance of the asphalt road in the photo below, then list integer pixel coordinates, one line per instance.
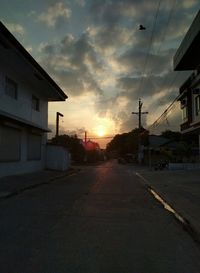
(100, 220)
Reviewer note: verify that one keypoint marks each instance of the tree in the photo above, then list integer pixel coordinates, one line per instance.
(174, 136)
(128, 142)
(73, 145)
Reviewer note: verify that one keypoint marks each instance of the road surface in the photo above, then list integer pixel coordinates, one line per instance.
(100, 220)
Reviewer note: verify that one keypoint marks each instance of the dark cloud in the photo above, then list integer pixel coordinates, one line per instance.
(115, 11)
(135, 87)
(155, 92)
(110, 37)
(128, 121)
(103, 106)
(142, 61)
(73, 63)
(170, 24)
(100, 9)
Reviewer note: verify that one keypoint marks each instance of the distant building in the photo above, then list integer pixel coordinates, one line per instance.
(93, 151)
(25, 90)
(91, 146)
(187, 57)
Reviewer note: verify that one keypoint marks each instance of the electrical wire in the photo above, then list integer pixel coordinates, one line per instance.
(167, 25)
(150, 45)
(163, 115)
(163, 39)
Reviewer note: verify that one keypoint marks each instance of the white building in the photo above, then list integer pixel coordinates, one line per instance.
(25, 90)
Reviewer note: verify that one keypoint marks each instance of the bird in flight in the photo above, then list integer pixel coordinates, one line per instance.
(141, 27)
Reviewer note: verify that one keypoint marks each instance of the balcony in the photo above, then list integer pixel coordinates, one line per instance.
(185, 126)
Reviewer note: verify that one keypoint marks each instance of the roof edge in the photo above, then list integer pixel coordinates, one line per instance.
(10, 37)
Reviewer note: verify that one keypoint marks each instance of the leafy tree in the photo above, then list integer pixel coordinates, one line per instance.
(185, 144)
(73, 145)
(128, 142)
(190, 139)
(174, 136)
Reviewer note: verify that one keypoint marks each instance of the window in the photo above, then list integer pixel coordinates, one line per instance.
(34, 147)
(197, 105)
(11, 88)
(185, 113)
(184, 109)
(10, 144)
(35, 103)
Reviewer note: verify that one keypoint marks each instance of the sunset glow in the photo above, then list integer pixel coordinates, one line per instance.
(73, 42)
(101, 132)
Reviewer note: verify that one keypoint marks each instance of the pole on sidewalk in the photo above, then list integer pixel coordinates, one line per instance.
(139, 113)
(57, 122)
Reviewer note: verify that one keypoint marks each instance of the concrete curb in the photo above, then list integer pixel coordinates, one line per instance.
(45, 181)
(184, 221)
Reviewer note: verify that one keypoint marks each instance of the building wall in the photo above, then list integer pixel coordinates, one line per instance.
(190, 102)
(195, 117)
(58, 158)
(22, 106)
(11, 164)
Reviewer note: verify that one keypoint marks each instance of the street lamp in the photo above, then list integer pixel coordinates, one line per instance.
(57, 122)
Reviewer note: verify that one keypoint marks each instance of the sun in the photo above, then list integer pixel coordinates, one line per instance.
(101, 132)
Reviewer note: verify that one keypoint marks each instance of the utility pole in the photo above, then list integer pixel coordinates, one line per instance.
(139, 113)
(85, 137)
(57, 122)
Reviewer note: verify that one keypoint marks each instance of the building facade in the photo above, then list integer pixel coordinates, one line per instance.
(187, 57)
(25, 90)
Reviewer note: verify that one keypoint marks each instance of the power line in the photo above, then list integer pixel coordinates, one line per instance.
(140, 113)
(165, 32)
(167, 25)
(106, 137)
(162, 40)
(94, 137)
(163, 115)
(150, 44)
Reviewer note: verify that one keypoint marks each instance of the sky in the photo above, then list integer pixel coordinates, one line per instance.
(95, 52)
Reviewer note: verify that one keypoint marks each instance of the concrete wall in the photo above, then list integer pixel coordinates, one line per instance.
(24, 165)
(57, 158)
(22, 106)
(13, 67)
(195, 118)
(183, 166)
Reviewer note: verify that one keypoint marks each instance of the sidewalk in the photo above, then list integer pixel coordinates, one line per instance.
(180, 189)
(13, 185)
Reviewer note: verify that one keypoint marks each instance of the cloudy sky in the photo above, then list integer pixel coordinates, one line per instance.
(95, 51)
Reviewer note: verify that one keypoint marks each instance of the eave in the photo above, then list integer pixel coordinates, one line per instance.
(7, 117)
(187, 55)
(9, 42)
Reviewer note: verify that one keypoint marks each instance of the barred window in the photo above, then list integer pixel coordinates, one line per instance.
(11, 88)
(35, 103)
(10, 144)
(197, 105)
(34, 147)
